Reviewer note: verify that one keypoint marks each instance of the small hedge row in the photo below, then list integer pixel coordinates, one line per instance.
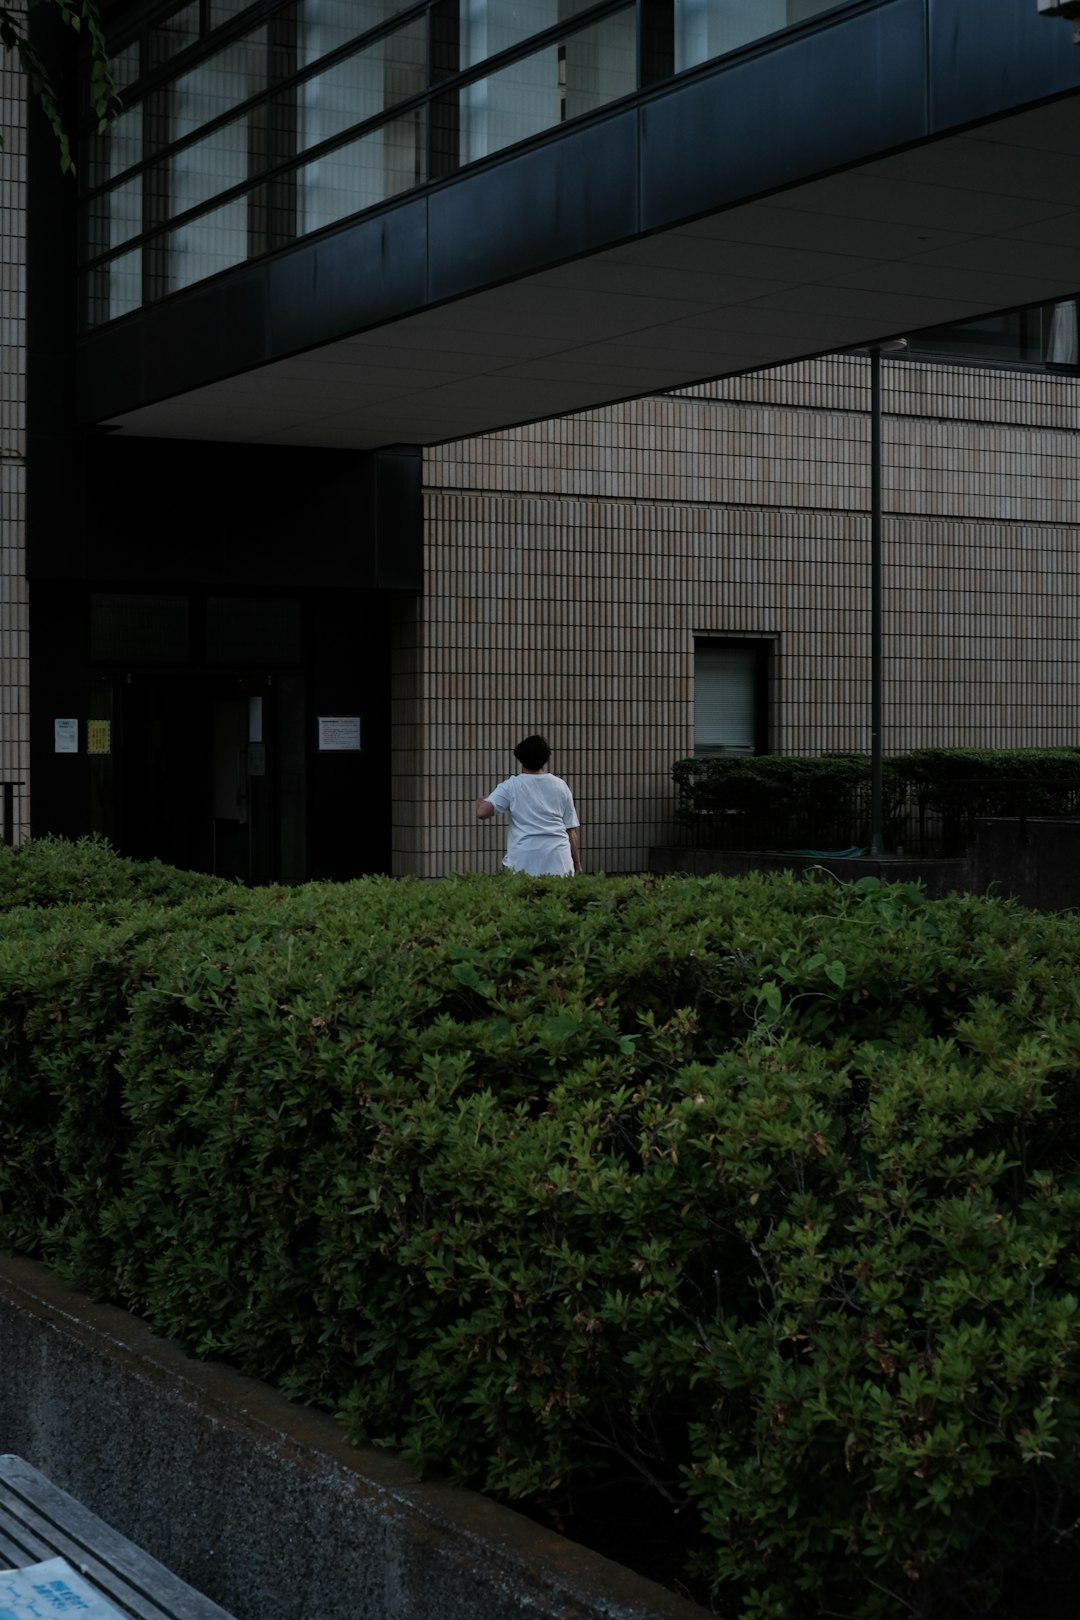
(55, 872)
(775, 801)
(931, 796)
(764, 1194)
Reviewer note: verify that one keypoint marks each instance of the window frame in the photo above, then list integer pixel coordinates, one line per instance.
(763, 648)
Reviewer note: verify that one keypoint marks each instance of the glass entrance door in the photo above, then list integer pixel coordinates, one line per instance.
(199, 779)
(243, 803)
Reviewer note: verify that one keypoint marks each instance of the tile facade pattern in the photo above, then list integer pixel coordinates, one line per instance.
(572, 563)
(14, 609)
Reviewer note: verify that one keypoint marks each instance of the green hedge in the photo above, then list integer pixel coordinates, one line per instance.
(936, 770)
(775, 801)
(958, 784)
(55, 872)
(763, 1193)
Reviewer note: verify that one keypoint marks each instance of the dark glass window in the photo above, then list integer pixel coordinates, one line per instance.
(235, 139)
(1043, 335)
(708, 28)
(139, 629)
(175, 34)
(730, 697)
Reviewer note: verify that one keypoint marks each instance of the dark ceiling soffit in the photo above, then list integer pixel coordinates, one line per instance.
(725, 135)
(234, 512)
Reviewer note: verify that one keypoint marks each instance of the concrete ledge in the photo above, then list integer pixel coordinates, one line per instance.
(261, 1504)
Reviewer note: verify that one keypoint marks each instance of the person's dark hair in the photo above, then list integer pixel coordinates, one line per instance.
(533, 753)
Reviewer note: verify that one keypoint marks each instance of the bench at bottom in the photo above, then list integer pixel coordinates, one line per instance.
(38, 1522)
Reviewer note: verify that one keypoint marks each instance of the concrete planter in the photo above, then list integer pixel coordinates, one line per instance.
(261, 1504)
(939, 877)
(1035, 860)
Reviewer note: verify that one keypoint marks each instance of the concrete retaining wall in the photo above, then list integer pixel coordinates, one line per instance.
(938, 877)
(261, 1504)
(1035, 861)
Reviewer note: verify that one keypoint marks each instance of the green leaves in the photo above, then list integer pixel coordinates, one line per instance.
(467, 974)
(83, 18)
(788, 802)
(763, 1194)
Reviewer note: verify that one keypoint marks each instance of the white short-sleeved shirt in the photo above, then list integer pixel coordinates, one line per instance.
(541, 809)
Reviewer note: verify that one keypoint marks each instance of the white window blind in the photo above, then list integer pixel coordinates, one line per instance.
(725, 698)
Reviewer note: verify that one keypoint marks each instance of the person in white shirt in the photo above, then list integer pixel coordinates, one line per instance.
(543, 835)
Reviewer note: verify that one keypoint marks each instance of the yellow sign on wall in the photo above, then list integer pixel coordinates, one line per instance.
(99, 736)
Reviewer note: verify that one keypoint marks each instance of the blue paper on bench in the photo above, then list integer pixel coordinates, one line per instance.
(40, 1591)
(40, 1523)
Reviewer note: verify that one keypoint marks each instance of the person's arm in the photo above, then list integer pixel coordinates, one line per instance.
(484, 809)
(575, 848)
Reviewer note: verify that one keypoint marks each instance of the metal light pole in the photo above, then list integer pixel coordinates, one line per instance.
(877, 795)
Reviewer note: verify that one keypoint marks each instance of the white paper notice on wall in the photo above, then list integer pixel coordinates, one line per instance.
(66, 736)
(48, 1589)
(338, 734)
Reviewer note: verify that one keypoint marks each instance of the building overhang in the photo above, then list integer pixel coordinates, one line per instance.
(898, 165)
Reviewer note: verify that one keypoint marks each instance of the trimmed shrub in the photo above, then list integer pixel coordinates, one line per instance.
(931, 796)
(956, 785)
(776, 801)
(56, 872)
(763, 1194)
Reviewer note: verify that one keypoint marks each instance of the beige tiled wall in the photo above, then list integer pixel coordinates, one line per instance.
(14, 634)
(571, 563)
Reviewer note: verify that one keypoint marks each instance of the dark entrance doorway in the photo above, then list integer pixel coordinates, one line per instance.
(211, 771)
(247, 736)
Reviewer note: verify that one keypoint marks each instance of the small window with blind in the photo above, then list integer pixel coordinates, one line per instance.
(730, 697)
